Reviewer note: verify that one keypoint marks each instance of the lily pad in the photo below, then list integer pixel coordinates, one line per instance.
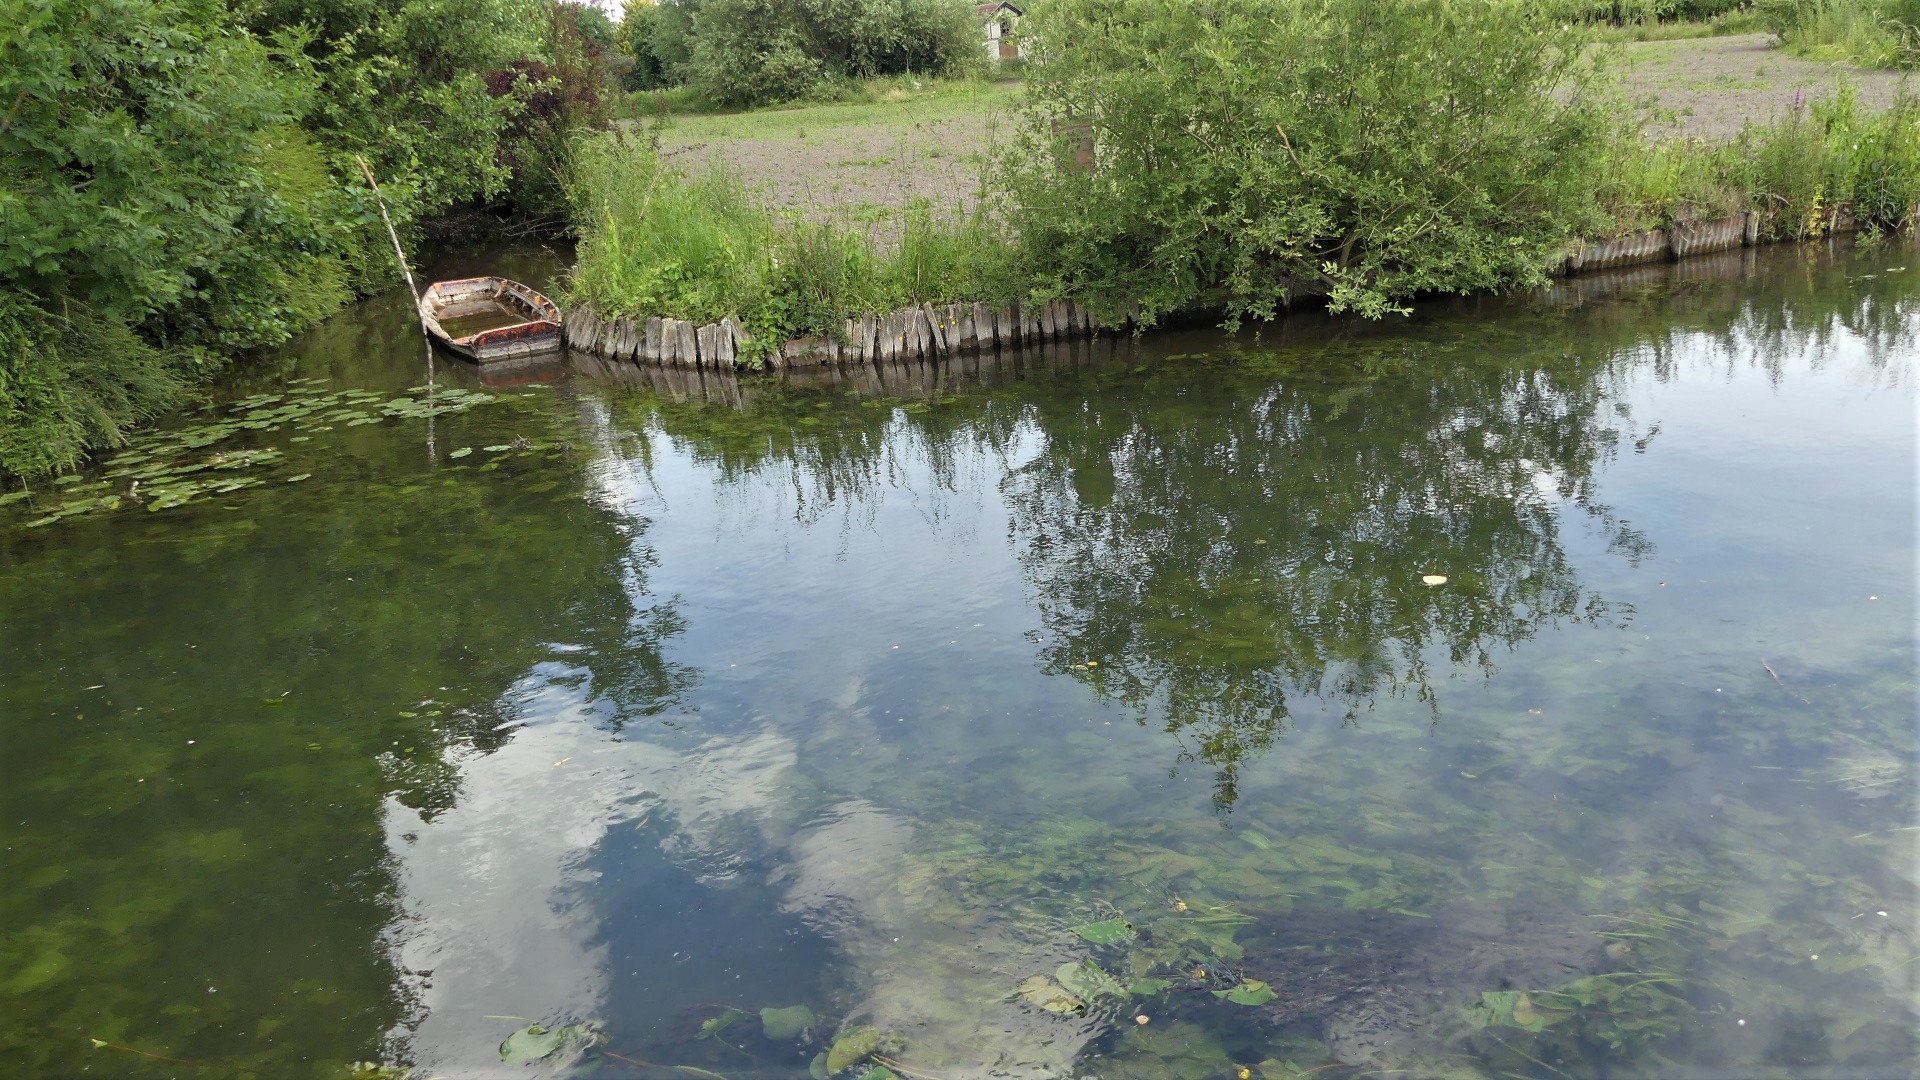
(784, 1024)
(853, 1047)
(462, 452)
(1088, 981)
(1042, 992)
(817, 1068)
(1106, 932)
(1249, 992)
(1149, 987)
(531, 1043)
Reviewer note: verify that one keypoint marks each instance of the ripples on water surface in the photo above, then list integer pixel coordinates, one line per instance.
(884, 696)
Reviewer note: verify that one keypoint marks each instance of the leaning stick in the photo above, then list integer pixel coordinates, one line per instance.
(398, 254)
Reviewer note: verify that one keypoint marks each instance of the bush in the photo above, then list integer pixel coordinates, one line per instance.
(1247, 151)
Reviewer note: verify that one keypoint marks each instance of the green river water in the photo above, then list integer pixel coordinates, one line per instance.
(1084, 712)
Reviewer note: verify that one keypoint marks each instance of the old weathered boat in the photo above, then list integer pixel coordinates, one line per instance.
(490, 318)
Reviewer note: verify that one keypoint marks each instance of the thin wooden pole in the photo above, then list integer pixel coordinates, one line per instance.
(398, 254)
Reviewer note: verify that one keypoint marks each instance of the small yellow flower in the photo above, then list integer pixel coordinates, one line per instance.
(1245, 1072)
(1179, 905)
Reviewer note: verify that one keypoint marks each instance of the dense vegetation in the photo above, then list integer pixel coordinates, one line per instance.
(1249, 150)
(751, 52)
(1872, 33)
(177, 182)
(1233, 157)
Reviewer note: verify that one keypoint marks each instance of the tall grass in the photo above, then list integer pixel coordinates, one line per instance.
(1871, 33)
(656, 240)
(1800, 173)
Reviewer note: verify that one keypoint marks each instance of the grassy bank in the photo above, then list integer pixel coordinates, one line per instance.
(1870, 33)
(1220, 181)
(656, 240)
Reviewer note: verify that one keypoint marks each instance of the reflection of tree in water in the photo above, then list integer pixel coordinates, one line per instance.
(391, 622)
(1213, 543)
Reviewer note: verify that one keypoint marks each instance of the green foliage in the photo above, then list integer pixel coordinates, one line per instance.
(1822, 160)
(73, 381)
(1872, 33)
(176, 178)
(1643, 11)
(752, 52)
(555, 100)
(1246, 152)
(403, 81)
(656, 241)
(634, 36)
(148, 169)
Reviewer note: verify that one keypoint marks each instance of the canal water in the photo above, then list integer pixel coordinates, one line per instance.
(1522, 689)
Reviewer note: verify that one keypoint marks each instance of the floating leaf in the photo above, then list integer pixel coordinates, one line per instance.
(1249, 992)
(1088, 981)
(530, 1044)
(462, 452)
(818, 1067)
(878, 1072)
(1149, 987)
(1042, 992)
(784, 1024)
(496, 449)
(853, 1048)
(1433, 579)
(1107, 932)
(298, 477)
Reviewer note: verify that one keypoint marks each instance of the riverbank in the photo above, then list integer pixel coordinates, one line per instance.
(1131, 218)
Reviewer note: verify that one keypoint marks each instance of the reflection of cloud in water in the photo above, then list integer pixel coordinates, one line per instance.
(938, 976)
(497, 890)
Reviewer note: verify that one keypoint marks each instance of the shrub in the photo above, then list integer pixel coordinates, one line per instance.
(1247, 151)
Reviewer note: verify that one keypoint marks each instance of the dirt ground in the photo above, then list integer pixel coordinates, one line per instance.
(1707, 87)
(862, 162)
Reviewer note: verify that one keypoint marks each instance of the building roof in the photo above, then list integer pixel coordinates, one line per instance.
(988, 11)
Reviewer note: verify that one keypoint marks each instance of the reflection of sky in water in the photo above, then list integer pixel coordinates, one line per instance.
(874, 681)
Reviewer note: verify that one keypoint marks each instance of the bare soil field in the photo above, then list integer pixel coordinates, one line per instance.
(864, 162)
(1707, 87)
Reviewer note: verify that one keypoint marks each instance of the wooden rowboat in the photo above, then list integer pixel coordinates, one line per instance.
(490, 318)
